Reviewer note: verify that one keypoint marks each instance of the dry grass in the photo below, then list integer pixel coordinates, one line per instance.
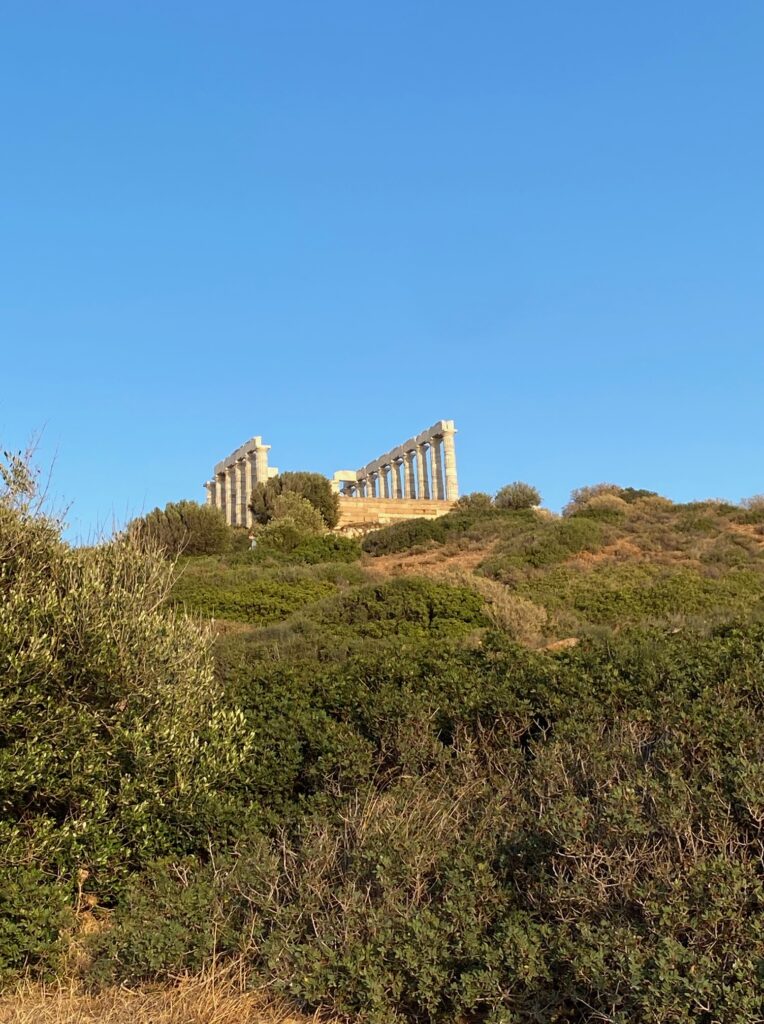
(214, 997)
(435, 563)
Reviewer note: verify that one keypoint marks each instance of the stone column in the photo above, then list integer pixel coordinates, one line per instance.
(449, 459)
(395, 469)
(261, 463)
(210, 488)
(220, 494)
(436, 468)
(411, 491)
(423, 486)
(251, 479)
(242, 513)
(384, 483)
(230, 494)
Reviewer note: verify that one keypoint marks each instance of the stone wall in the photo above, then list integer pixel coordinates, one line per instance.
(359, 515)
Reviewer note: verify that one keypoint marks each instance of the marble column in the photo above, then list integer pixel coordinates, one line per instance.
(230, 495)
(251, 480)
(449, 459)
(241, 492)
(395, 470)
(385, 482)
(210, 489)
(411, 490)
(436, 468)
(261, 463)
(423, 486)
(220, 494)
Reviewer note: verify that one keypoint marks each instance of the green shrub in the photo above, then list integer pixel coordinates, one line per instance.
(420, 602)
(329, 548)
(245, 594)
(472, 523)
(183, 527)
(112, 750)
(517, 496)
(476, 501)
(314, 487)
(403, 536)
(298, 510)
(34, 910)
(543, 543)
(579, 496)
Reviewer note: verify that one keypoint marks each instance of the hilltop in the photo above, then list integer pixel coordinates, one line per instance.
(609, 565)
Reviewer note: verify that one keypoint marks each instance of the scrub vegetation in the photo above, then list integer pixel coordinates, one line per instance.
(387, 794)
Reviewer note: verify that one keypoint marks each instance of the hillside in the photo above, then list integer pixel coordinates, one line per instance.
(610, 566)
(496, 767)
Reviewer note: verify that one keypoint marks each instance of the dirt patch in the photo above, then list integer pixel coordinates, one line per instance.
(435, 563)
(618, 551)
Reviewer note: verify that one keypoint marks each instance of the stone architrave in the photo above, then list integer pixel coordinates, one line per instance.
(436, 468)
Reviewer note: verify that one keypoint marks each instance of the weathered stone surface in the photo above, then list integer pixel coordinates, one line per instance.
(358, 515)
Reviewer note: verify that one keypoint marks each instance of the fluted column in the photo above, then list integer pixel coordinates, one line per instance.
(210, 489)
(230, 494)
(261, 463)
(411, 489)
(385, 482)
(220, 494)
(436, 468)
(241, 492)
(395, 478)
(449, 460)
(250, 477)
(423, 486)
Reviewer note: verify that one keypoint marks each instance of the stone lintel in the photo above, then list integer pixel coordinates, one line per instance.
(241, 452)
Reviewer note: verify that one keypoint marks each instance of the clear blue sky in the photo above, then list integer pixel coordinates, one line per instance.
(332, 223)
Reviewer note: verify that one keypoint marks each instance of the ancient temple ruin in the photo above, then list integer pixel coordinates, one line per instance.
(416, 479)
(422, 468)
(234, 478)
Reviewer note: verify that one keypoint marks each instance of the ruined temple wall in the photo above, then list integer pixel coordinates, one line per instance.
(360, 514)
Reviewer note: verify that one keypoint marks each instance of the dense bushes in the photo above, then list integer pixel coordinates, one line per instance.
(379, 801)
(243, 592)
(105, 702)
(522, 838)
(314, 487)
(183, 527)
